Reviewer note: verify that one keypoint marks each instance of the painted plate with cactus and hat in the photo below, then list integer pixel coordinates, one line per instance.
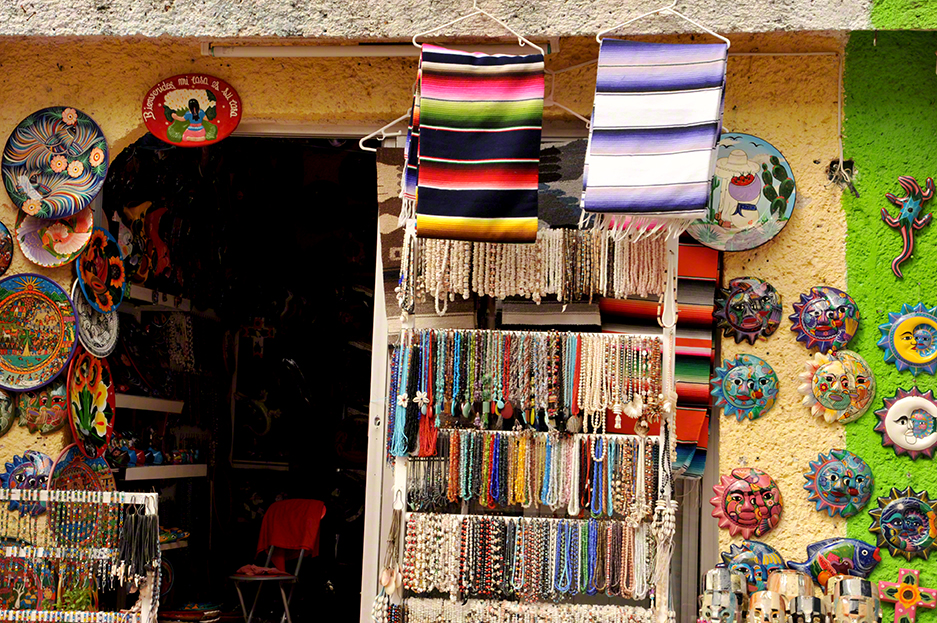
(752, 198)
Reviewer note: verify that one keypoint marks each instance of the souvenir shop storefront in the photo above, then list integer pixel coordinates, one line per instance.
(647, 333)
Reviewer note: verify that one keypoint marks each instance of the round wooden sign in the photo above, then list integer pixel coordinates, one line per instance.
(192, 110)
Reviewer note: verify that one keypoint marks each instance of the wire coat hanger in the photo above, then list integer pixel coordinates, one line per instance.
(383, 132)
(667, 10)
(521, 40)
(549, 101)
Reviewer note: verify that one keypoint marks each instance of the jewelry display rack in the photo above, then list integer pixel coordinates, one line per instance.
(148, 601)
(663, 524)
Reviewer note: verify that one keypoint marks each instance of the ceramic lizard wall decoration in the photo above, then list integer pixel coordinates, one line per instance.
(909, 217)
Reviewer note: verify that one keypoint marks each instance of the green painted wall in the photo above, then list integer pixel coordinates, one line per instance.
(890, 130)
(904, 14)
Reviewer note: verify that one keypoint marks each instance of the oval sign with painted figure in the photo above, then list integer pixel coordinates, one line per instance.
(192, 110)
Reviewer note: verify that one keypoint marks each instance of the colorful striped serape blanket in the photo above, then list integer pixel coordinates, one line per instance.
(656, 121)
(474, 146)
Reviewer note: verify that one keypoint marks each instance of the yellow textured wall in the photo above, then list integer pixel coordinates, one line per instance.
(791, 101)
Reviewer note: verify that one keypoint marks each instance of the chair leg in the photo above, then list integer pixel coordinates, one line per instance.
(286, 604)
(237, 587)
(260, 585)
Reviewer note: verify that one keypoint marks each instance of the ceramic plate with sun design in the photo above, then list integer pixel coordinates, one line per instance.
(908, 423)
(905, 523)
(839, 483)
(745, 387)
(909, 339)
(825, 318)
(101, 272)
(839, 386)
(749, 309)
(747, 502)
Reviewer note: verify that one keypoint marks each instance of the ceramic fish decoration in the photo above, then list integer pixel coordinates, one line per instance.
(838, 557)
(755, 560)
(909, 217)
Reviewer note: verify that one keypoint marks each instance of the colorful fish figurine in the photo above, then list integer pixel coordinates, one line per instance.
(838, 556)
(755, 560)
(909, 217)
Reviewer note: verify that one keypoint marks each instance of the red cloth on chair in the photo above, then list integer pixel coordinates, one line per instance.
(291, 525)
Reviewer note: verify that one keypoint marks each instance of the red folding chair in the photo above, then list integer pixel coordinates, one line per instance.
(290, 529)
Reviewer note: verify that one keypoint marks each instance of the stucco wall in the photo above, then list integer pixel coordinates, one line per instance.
(890, 127)
(791, 102)
(376, 19)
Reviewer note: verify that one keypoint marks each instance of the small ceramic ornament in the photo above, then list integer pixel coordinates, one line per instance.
(837, 556)
(747, 502)
(745, 387)
(909, 339)
(31, 471)
(807, 609)
(749, 309)
(840, 483)
(767, 607)
(837, 386)
(905, 523)
(908, 423)
(755, 560)
(55, 162)
(44, 410)
(907, 594)
(825, 318)
(909, 217)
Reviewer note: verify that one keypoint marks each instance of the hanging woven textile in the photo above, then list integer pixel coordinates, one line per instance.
(473, 147)
(655, 126)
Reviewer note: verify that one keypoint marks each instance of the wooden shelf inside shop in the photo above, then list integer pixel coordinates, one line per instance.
(161, 472)
(165, 547)
(145, 403)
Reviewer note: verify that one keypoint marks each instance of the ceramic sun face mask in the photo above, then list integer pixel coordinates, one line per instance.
(745, 387)
(909, 339)
(31, 471)
(908, 423)
(840, 483)
(825, 318)
(747, 502)
(905, 523)
(750, 309)
(44, 410)
(839, 386)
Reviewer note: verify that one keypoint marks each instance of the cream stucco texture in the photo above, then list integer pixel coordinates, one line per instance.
(792, 103)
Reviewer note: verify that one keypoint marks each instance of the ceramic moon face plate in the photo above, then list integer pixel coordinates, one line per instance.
(840, 483)
(908, 423)
(101, 272)
(752, 197)
(909, 339)
(98, 332)
(39, 335)
(839, 386)
(745, 387)
(905, 523)
(825, 318)
(749, 309)
(55, 162)
(747, 502)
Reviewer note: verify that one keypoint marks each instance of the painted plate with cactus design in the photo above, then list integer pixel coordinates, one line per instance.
(752, 198)
(91, 402)
(55, 162)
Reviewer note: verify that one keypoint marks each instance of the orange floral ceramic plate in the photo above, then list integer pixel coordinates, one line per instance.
(91, 402)
(52, 243)
(101, 272)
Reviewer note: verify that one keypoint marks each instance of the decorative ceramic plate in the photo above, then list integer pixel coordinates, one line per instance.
(97, 332)
(908, 423)
(73, 471)
(909, 339)
(840, 483)
(7, 411)
(825, 318)
(55, 162)
(192, 110)
(52, 243)
(745, 387)
(39, 331)
(749, 309)
(44, 410)
(6, 248)
(906, 523)
(91, 402)
(839, 386)
(752, 197)
(25, 593)
(747, 502)
(101, 272)
(30, 471)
